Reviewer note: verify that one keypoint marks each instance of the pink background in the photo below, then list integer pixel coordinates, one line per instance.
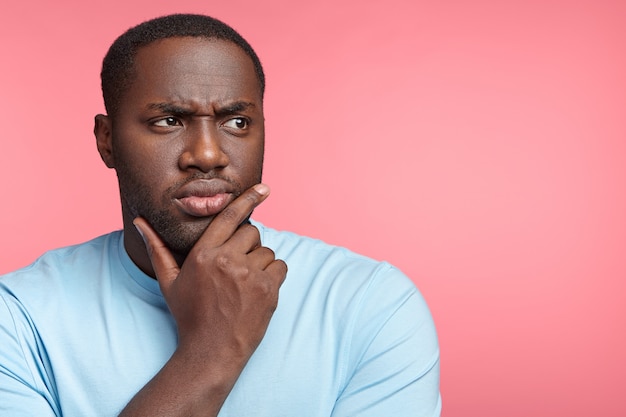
(478, 145)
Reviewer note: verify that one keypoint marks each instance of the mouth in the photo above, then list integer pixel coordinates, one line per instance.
(204, 198)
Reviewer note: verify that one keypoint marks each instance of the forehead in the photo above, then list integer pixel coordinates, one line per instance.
(189, 68)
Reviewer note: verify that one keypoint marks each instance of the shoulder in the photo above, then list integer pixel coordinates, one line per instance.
(316, 257)
(342, 280)
(56, 266)
(370, 312)
(46, 295)
(312, 251)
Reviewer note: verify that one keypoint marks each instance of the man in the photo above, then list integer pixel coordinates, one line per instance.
(190, 310)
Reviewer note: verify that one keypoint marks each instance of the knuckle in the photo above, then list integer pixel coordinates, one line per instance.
(255, 232)
(252, 197)
(229, 265)
(280, 267)
(284, 266)
(266, 253)
(199, 256)
(269, 291)
(230, 214)
(224, 262)
(252, 230)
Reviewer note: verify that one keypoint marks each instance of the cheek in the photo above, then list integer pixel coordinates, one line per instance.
(248, 162)
(141, 152)
(144, 166)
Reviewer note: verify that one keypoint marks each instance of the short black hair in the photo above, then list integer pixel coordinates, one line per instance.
(118, 64)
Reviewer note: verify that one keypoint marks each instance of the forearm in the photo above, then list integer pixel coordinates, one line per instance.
(188, 385)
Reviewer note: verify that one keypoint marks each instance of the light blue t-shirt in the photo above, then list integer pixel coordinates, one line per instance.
(82, 330)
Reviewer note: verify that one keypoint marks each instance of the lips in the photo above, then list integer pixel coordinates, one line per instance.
(204, 198)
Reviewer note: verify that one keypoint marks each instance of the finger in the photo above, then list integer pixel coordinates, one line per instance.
(261, 257)
(278, 268)
(228, 220)
(164, 265)
(245, 239)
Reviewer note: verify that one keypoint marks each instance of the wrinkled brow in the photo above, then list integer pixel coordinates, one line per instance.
(176, 109)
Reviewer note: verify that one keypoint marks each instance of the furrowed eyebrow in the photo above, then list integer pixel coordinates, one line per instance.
(233, 108)
(171, 109)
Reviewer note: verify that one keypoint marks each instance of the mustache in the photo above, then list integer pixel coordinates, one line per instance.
(204, 176)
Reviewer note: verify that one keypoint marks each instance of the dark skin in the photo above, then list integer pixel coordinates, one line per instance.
(187, 145)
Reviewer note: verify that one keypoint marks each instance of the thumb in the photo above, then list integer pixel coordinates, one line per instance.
(165, 267)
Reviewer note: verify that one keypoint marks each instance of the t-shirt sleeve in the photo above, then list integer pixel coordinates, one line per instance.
(393, 361)
(23, 392)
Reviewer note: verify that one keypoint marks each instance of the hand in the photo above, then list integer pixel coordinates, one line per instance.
(224, 294)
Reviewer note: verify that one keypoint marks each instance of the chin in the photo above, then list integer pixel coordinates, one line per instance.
(179, 236)
(183, 237)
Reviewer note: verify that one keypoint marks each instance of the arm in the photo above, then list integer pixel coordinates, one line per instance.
(394, 365)
(222, 298)
(25, 389)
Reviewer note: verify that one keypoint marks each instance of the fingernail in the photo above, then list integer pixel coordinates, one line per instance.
(262, 189)
(139, 230)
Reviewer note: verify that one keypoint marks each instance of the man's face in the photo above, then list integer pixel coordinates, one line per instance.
(188, 137)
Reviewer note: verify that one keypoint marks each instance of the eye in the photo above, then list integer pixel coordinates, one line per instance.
(167, 122)
(238, 123)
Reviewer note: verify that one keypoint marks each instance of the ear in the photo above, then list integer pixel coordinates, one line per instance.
(103, 132)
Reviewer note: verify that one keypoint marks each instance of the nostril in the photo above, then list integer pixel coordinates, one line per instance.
(203, 151)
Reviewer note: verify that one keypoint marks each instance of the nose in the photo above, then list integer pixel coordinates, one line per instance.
(203, 148)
